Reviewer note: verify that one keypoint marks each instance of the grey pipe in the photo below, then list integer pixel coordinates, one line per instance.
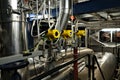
(65, 6)
(81, 52)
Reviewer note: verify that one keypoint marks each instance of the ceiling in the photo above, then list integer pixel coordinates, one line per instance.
(105, 18)
(104, 15)
(98, 14)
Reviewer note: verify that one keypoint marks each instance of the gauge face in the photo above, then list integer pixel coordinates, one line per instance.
(105, 36)
(116, 36)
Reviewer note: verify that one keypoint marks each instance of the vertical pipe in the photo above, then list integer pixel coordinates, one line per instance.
(118, 54)
(24, 31)
(75, 64)
(65, 6)
(65, 47)
(89, 67)
(12, 38)
(86, 37)
(29, 37)
(93, 68)
(50, 61)
(38, 29)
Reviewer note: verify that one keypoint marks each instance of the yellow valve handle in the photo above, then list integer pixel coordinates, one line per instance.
(67, 34)
(80, 33)
(53, 34)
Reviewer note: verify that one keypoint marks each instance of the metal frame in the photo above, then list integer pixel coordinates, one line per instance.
(94, 6)
(14, 58)
(90, 6)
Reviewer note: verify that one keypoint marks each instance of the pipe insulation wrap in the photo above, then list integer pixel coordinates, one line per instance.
(65, 6)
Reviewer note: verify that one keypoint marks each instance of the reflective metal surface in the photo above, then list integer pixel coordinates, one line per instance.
(11, 36)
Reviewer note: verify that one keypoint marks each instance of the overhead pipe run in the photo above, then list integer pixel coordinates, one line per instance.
(75, 66)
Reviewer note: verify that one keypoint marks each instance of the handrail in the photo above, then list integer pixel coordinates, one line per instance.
(45, 74)
(95, 59)
(90, 67)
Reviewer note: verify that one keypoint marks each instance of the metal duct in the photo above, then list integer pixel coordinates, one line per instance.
(11, 36)
(65, 6)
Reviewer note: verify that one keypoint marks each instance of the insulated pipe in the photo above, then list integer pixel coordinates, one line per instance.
(65, 6)
(81, 52)
(12, 23)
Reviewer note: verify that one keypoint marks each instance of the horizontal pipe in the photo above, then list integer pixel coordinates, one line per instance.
(81, 52)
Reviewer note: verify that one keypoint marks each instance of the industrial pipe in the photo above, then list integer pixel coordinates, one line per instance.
(75, 66)
(81, 52)
(65, 6)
